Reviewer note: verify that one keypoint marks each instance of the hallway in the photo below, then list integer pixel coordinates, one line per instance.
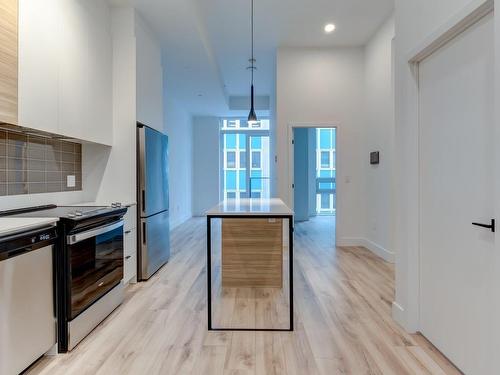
(343, 325)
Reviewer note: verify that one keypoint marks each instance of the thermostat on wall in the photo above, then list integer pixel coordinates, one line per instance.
(375, 157)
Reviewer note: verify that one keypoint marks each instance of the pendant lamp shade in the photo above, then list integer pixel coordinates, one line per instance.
(252, 116)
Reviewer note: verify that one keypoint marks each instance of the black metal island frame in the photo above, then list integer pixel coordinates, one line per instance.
(250, 236)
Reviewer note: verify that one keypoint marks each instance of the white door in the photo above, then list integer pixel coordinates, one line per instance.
(457, 176)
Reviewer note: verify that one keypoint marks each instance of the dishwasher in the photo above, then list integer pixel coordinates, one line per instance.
(27, 310)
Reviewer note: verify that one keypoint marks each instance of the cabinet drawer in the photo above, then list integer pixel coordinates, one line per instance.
(129, 268)
(130, 242)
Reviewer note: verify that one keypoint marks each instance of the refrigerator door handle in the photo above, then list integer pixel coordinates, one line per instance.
(144, 232)
(143, 198)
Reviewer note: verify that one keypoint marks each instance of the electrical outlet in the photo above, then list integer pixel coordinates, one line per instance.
(71, 181)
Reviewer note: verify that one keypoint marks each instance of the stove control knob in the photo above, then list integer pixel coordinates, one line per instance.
(78, 213)
(71, 214)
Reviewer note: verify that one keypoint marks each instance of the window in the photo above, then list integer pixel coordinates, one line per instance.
(232, 124)
(325, 159)
(325, 201)
(256, 162)
(231, 159)
(325, 170)
(231, 180)
(243, 159)
(242, 174)
(246, 159)
(230, 141)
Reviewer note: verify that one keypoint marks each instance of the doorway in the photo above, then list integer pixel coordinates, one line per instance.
(314, 174)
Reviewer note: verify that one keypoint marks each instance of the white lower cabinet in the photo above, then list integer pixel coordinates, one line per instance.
(130, 248)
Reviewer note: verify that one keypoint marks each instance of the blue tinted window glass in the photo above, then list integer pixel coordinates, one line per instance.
(334, 137)
(231, 180)
(256, 143)
(242, 182)
(242, 140)
(324, 138)
(323, 173)
(256, 182)
(230, 140)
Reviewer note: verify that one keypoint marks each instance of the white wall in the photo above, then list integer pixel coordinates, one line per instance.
(415, 21)
(178, 126)
(379, 136)
(206, 178)
(318, 87)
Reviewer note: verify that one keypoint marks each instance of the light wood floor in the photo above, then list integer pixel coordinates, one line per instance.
(343, 321)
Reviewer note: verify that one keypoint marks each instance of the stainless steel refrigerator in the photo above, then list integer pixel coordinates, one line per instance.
(153, 239)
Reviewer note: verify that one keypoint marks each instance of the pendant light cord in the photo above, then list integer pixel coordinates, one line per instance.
(253, 60)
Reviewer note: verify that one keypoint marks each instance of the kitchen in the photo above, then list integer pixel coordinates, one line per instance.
(70, 178)
(147, 185)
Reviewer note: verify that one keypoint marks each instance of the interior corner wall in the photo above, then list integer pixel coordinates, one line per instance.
(415, 21)
(178, 126)
(326, 87)
(379, 136)
(272, 132)
(206, 155)
(301, 174)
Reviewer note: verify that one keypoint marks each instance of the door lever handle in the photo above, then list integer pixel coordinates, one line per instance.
(488, 226)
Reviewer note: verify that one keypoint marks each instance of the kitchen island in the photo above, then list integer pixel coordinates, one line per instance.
(250, 265)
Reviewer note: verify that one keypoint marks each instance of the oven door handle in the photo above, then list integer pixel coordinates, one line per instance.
(75, 238)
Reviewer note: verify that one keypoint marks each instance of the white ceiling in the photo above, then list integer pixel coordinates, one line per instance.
(206, 43)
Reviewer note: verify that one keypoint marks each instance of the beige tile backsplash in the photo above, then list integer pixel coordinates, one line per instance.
(31, 164)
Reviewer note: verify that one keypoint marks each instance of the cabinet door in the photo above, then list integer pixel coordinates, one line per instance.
(85, 72)
(8, 61)
(38, 64)
(99, 124)
(73, 81)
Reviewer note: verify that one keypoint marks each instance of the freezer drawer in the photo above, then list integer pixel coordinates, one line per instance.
(153, 244)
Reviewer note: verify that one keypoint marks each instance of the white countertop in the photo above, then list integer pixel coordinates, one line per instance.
(254, 206)
(101, 204)
(10, 225)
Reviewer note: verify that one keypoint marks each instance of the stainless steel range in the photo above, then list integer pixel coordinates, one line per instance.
(88, 267)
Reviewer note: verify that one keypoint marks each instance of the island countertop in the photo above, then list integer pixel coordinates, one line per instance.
(250, 207)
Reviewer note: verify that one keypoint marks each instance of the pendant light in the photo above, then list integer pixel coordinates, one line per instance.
(252, 116)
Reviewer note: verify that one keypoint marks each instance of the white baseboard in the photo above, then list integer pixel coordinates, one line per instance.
(398, 314)
(350, 241)
(175, 223)
(382, 252)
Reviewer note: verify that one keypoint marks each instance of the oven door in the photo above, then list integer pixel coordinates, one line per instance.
(96, 265)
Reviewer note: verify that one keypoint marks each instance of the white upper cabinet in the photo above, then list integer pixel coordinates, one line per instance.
(65, 68)
(38, 65)
(100, 73)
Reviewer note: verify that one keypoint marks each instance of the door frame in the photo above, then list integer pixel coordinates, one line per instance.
(409, 315)
(291, 162)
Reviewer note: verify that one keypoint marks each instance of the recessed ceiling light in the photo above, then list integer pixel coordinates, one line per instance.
(329, 27)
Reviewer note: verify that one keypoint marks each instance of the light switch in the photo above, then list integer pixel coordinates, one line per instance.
(71, 181)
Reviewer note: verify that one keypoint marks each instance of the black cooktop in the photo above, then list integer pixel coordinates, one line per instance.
(76, 213)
